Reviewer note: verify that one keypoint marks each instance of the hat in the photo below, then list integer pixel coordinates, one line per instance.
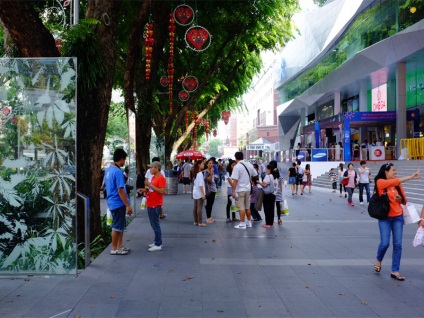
(155, 164)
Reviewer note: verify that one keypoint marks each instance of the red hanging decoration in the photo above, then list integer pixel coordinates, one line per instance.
(183, 96)
(171, 29)
(214, 132)
(198, 38)
(226, 114)
(184, 14)
(164, 81)
(207, 129)
(148, 43)
(190, 84)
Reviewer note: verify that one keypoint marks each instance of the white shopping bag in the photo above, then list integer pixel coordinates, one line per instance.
(285, 209)
(419, 237)
(410, 214)
(108, 217)
(233, 205)
(143, 203)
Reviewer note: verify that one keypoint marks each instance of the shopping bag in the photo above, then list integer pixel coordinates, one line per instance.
(419, 237)
(285, 209)
(259, 199)
(410, 214)
(108, 217)
(285, 184)
(233, 205)
(143, 203)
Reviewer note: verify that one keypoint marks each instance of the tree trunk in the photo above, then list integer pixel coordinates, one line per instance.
(30, 36)
(92, 115)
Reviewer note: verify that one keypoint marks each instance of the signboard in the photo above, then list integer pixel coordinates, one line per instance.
(377, 153)
(319, 154)
(301, 156)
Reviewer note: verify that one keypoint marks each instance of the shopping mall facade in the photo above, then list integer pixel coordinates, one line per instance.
(354, 73)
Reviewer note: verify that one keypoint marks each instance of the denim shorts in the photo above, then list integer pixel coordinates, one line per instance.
(292, 180)
(118, 219)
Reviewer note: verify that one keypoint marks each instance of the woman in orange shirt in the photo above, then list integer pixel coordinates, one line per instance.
(387, 179)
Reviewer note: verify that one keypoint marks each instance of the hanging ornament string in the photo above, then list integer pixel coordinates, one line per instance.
(171, 29)
(197, 37)
(207, 129)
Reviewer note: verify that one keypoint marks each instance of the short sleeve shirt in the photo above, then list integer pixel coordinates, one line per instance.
(114, 180)
(187, 168)
(240, 174)
(154, 198)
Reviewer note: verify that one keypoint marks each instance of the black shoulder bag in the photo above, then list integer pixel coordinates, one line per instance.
(379, 206)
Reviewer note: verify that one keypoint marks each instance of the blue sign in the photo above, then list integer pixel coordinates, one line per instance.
(319, 154)
(317, 134)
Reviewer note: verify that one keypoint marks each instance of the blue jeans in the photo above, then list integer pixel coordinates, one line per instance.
(349, 193)
(394, 225)
(154, 222)
(361, 191)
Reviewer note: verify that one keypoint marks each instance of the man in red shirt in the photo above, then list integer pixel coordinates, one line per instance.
(154, 202)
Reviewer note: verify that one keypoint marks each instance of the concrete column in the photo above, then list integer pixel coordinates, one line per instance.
(302, 117)
(400, 104)
(337, 103)
(363, 96)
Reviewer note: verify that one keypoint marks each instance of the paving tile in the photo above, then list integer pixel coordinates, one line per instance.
(181, 307)
(266, 307)
(224, 308)
(137, 308)
(99, 310)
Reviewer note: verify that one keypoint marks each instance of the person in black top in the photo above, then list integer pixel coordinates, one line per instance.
(291, 176)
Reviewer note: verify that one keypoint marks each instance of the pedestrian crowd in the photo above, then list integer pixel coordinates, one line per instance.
(252, 188)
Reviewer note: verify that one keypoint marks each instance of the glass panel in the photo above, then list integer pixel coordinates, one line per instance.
(37, 169)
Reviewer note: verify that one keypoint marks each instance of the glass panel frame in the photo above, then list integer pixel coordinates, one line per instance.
(37, 166)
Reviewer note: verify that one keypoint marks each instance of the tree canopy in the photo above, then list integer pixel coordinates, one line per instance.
(109, 45)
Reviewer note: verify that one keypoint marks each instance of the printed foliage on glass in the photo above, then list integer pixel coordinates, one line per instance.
(37, 165)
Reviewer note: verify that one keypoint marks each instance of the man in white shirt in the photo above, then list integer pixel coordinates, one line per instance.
(364, 182)
(242, 172)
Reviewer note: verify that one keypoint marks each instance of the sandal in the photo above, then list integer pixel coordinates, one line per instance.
(201, 224)
(118, 251)
(397, 277)
(228, 220)
(377, 268)
(280, 222)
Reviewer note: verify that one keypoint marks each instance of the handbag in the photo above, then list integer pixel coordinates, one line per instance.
(419, 237)
(269, 189)
(259, 199)
(410, 214)
(379, 206)
(345, 182)
(305, 178)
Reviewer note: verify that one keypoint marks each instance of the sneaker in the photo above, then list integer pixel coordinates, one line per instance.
(126, 248)
(248, 224)
(267, 226)
(163, 216)
(118, 251)
(241, 226)
(155, 248)
(362, 203)
(351, 204)
(151, 245)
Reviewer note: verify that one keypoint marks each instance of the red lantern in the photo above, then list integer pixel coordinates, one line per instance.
(226, 114)
(207, 129)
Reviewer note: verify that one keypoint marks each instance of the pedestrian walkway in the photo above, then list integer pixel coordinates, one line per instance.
(318, 263)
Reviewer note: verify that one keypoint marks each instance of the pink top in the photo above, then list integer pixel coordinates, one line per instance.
(352, 181)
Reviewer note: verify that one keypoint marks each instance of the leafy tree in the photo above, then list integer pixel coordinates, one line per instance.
(213, 147)
(320, 3)
(108, 43)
